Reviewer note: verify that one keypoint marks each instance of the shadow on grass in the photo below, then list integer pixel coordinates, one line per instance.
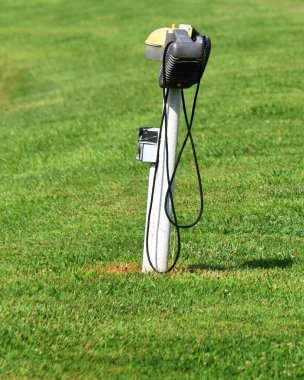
(269, 263)
(125, 268)
(252, 264)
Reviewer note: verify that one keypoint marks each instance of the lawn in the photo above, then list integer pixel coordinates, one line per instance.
(74, 89)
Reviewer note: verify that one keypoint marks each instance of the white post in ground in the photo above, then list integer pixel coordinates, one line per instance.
(159, 229)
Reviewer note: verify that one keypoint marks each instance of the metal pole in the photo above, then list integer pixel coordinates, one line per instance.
(159, 230)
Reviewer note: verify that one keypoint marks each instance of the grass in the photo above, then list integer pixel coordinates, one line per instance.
(74, 89)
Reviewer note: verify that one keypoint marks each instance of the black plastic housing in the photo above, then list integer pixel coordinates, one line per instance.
(184, 60)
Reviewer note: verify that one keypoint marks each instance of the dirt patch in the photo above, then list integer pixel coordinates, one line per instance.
(122, 268)
(114, 268)
(126, 268)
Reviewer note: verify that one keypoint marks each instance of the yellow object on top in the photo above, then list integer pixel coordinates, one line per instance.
(158, 36)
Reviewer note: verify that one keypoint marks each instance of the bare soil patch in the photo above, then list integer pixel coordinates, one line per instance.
(114, 268)
(122, 268)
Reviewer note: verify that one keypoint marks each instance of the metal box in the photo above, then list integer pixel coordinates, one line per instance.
(147, 144)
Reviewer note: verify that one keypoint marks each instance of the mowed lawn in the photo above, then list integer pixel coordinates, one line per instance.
(75, 87)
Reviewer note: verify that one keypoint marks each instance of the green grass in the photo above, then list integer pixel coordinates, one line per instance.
(74, 89)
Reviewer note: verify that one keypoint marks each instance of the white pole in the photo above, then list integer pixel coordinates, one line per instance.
(159, 230)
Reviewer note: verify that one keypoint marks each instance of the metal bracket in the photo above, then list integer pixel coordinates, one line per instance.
(147, 144)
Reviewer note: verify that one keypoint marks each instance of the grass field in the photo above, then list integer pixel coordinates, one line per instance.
(74, 89)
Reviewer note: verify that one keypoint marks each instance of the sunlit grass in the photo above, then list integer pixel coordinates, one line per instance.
(74, 89)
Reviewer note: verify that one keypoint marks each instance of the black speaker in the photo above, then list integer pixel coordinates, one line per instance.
(184, 60)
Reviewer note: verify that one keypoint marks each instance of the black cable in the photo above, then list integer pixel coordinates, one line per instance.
(207, 49)
(164, 120)
(171, 180)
